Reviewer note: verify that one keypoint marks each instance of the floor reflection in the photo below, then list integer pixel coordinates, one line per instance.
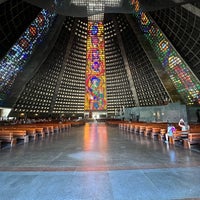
(95, 145)
(95, 137)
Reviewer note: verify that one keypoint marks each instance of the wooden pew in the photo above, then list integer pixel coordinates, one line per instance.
(175, 138)
(148, 130)
(34, 129)
(142, 129)
(17, 133)
(7, 137)
(125, 126)
(21, 134)
(77, 123)
(132, 127)
(31, 132)
(193, 139)
(52, 127)
(40, 132)
(12, 133)
(113, 123)
(137, 129)
(155, 132)
(185, 137)
(161, 136)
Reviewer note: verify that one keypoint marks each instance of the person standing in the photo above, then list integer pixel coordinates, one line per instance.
(170, 131)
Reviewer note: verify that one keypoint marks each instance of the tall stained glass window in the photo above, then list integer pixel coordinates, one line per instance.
(95, 94)
(184, 80)
(13, 63)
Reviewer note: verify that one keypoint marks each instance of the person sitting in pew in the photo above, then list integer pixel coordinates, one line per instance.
(170, 131)
(184, 125)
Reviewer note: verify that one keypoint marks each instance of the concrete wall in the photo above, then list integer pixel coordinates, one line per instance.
(172, 112)
(193, 114)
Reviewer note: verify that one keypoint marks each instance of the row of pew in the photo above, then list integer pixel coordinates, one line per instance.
(11, 134)
(158, 130)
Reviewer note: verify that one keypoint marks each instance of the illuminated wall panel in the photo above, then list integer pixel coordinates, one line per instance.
(184, 80)
(95, 95)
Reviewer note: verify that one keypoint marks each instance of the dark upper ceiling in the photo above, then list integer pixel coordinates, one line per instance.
(68, 7)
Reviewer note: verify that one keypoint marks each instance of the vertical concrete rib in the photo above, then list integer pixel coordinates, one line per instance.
(69, 45)
(126, 64)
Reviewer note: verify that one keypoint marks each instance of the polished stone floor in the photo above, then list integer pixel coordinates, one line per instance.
(98, 162)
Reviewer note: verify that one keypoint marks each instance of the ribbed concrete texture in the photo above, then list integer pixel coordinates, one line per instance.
(98, 162)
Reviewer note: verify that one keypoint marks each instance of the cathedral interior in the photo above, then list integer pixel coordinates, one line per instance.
(86, 58)
(105, 83)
